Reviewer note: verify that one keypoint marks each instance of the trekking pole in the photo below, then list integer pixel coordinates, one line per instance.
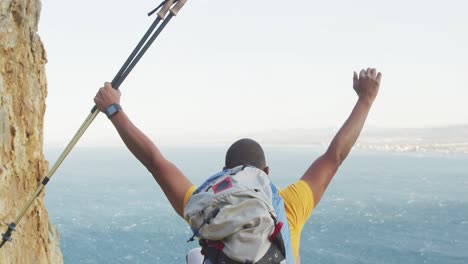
(171, 6)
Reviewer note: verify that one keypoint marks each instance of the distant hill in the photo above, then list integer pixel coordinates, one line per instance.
(448, 139)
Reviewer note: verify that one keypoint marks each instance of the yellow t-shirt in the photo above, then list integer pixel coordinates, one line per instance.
(298, 203)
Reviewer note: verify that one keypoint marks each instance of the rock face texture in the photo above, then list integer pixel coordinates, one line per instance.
(22, 106)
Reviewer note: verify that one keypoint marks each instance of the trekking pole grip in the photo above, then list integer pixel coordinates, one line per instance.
(175, 10)
(162, 13)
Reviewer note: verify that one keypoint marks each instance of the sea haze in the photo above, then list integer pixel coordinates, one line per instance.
(380, 208)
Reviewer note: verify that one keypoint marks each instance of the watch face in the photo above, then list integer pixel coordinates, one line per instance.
(111, 110)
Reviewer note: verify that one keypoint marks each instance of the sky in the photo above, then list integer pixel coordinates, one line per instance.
(227, 69)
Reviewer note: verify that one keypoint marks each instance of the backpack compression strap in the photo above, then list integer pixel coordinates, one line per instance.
(213, 251)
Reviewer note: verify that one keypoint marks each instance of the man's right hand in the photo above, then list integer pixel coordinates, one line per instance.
(367, 84)
(171, 180)
(106, 96)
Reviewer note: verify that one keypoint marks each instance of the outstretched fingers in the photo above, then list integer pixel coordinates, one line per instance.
(367, 84)
(373, 72)
(369, 73)
(363, 74)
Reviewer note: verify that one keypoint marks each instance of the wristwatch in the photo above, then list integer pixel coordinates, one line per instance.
(112, 110)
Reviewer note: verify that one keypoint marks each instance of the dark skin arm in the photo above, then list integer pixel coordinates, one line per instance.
(171, 180)
(322, 170)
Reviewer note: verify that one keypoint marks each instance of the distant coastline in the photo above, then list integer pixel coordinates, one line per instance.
(441, 140)
(450, 140)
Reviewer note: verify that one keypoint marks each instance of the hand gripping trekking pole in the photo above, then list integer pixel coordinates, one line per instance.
(171, 6)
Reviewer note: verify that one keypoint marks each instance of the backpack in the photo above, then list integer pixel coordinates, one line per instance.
(233, 217)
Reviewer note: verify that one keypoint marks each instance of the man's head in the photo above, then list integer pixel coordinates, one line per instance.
(246, 152)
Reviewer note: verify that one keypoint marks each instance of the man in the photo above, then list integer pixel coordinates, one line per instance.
(299, 198)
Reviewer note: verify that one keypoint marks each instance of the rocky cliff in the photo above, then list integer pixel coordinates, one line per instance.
(22, 106)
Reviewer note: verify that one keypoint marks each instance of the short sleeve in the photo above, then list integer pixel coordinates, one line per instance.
(299, 201)
(299, 204)
(188, 194)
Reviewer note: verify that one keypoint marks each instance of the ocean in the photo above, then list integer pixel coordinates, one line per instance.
(380, 207)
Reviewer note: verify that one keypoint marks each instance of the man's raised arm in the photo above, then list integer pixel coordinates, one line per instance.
(321, 172)
(174, 184)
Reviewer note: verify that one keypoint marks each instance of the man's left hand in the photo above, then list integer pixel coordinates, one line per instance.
(367, 84)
